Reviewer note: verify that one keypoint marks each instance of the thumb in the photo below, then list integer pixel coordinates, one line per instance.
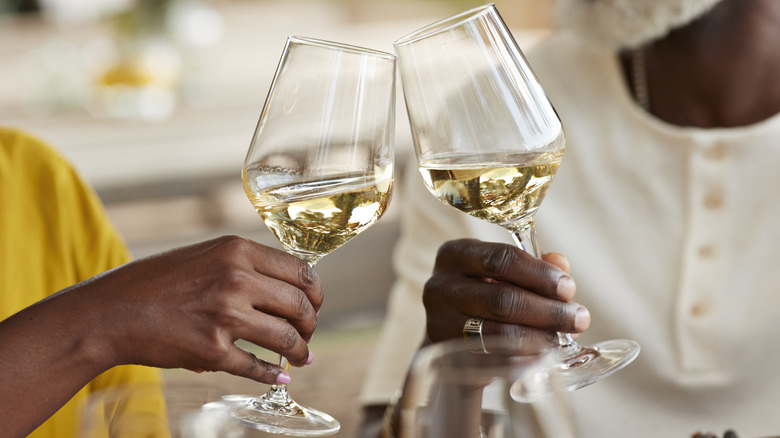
(243, 363)
(558, 260)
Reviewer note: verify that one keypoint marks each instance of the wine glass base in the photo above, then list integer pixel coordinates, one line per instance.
(291, 419)
(270, 416)
(591, 364)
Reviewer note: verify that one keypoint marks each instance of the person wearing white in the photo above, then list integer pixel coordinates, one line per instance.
(670, 224)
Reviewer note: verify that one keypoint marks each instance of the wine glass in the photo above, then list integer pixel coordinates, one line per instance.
(488, 142)
(319, 171)
(453, 392)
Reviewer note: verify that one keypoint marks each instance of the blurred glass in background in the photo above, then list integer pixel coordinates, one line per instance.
(141, 60)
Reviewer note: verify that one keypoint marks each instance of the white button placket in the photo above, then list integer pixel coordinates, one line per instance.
(698, 307)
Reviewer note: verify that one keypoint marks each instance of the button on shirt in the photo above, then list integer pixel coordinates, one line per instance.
(673, 235)
(700, 297)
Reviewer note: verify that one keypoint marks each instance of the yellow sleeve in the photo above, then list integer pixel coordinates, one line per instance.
(127, 402)
(54, 232)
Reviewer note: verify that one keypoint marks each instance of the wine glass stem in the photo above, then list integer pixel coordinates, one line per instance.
(278, 394)
(280, 390)
(283, 363)
(525, 238)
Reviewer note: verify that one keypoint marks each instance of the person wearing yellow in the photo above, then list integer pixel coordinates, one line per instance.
(55, 233)
(70, 325)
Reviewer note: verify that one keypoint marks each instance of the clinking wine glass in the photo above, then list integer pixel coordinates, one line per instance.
(319, 171)
(488, 142)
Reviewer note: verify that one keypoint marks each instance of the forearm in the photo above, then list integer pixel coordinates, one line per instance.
(180, 309)
(46, 356)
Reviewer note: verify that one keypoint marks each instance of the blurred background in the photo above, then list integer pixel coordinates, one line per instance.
(155, 103)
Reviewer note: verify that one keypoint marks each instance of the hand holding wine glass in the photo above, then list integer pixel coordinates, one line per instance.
(319, 171)
(489, 142)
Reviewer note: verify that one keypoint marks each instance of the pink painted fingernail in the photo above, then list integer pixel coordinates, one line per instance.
(310, 359)
(283, 378)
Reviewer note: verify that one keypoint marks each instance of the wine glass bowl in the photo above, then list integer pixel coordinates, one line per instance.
(319, 171)
(312, 216)
(454, 390)
(493, 189)
(320, 167)
(489, 143)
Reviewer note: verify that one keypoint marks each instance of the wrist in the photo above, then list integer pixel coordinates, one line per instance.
(79, 328)
(46, 357)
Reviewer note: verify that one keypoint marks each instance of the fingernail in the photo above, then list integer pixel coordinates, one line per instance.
(581, 319)
(310, 359)
(566, 288)
(283, 378)
(308, 341)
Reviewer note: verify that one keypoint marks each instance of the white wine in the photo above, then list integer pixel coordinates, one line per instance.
(493, 190)
(313, 218)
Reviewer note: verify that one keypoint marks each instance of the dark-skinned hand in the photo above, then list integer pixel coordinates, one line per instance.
(186, 307)
(182, 308)
(519, 296)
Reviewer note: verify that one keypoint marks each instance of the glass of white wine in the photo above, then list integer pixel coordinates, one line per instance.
(489, 142)
(319, 171)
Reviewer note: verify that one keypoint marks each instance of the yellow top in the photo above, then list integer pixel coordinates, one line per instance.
(54, 233)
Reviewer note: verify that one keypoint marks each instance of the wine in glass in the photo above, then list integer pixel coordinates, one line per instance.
(319, 171)
(489, 142)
